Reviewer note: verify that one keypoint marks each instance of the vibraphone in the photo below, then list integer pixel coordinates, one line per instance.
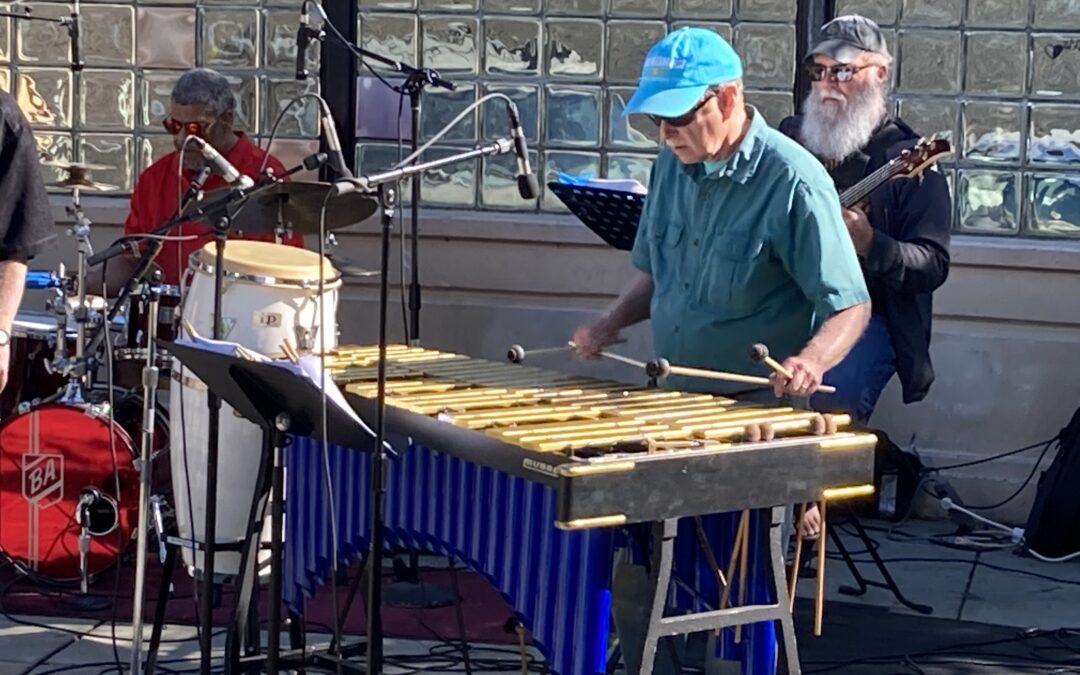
(527, 474)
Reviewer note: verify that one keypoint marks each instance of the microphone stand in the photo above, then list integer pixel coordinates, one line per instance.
(383, 183)
(415, 81)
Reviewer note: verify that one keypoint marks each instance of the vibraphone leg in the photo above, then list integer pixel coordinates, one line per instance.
(789, 651)
(663, 546)
(297, 637)
(159, 610)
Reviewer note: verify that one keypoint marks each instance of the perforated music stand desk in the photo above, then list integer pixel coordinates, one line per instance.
(611, 214)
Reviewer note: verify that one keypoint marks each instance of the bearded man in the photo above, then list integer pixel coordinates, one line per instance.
(901, 234)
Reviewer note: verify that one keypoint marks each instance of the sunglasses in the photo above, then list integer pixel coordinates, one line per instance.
(685, 118)
(174, 127)
(843, 72)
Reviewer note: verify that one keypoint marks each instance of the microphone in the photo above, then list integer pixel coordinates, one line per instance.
(232, 176)
(303, 35)
(335, 159)
(528, 186)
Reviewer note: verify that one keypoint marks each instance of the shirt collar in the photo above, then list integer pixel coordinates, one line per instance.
(742, 164)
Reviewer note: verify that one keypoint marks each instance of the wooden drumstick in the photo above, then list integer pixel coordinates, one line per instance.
(661, 368)
(760, 354)
(819, 603)
(796, 559)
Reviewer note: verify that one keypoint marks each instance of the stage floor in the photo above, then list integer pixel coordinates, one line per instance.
(989, 596)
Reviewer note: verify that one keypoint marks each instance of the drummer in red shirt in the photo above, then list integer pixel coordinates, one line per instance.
(203, 105)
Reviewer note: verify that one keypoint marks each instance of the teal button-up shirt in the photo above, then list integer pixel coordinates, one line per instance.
(751, 249)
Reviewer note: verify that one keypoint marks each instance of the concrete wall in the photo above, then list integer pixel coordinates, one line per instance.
(1006, 336)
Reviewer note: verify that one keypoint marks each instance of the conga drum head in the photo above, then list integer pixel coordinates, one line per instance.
(262, 260)
(49, 458)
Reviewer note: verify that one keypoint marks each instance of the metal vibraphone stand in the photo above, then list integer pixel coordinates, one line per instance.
(660, 573)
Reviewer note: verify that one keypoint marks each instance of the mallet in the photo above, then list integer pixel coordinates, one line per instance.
(660, 368)
(760, 354)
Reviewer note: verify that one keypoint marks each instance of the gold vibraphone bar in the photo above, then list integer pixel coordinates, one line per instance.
(612, 449)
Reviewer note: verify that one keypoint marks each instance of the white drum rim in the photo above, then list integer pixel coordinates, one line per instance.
(197, 264)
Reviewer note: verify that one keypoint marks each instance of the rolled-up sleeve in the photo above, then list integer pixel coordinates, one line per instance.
(818, 253)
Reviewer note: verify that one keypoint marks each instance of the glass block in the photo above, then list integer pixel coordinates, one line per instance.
(450, 185)
(155, 88)
(388, 4)
(512, 47)
(246, 89)
(575, 48)
(391, 35)
(450, 5)
(773, 105)
(765, 10)
(301, 118)
(165, 37)
(1056, 67)
(931, 12)
(499, 188)
(439, 107)
(230, 38)
(44, 94)
(996, 63)
(108, 35)
(1055, 135)
(54, 147)
(526, 97)
(1055, 205)
(884, 12)
(113, 150)
(992, 131)
(628, 131)
(930, 116)
(701, 9)
(5, 34)
(636, 167)
(989, 202)
(571, 163)
(42, 43)
(241, 3)
(5, 79)
(150, 148)
(930, 61)
(724, 29)
(589, 8)
(512, 6)
(650, 9)
(292, 151)
(451, 44)
(381, 112)
(627, 44)
(573, 116)
(768, 53)
(997, 14)
(373, 157)
(279, 46)
(107, 100)
(1059, 14)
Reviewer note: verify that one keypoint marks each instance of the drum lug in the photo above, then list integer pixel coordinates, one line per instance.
(305, 337)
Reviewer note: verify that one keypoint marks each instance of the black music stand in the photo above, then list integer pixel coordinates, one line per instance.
(611, 214)
(281, 403)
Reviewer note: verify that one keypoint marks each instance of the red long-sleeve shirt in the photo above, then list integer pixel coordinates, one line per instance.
(154, 201)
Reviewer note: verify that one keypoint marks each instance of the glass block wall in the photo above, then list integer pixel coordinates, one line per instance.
(1002, 79)
(569, 64)
(111, 112)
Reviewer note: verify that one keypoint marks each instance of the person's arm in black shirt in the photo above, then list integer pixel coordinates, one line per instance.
(916, 259)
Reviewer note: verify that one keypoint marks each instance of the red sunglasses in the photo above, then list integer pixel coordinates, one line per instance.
(174, 127)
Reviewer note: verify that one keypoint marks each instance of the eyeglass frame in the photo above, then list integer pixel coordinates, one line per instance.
(193, 128)
(687, 117)
(833, 72)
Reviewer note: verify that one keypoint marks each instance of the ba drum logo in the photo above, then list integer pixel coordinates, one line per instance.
(43, 479)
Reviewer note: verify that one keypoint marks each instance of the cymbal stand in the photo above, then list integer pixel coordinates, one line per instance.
(151, 295)
(78, 370)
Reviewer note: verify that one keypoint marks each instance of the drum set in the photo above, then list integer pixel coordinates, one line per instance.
(85, 372)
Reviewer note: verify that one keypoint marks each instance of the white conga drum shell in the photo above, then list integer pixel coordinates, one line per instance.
(270, 293)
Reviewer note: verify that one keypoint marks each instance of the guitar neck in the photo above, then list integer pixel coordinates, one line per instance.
(859, 191)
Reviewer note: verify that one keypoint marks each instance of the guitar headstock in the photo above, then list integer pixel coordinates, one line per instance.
(913, 161)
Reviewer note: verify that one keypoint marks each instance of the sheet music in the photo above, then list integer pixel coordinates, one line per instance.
(629, 185)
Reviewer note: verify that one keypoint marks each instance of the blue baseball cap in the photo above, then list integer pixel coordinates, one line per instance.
(679, 69)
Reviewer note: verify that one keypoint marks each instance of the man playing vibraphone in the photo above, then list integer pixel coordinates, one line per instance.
(741, 240)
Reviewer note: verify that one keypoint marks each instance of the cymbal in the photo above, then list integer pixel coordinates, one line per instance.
(82, 182)
(298, 204)
(75, 166)
(348, 268)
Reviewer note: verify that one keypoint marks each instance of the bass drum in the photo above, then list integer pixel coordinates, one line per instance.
(50, 458)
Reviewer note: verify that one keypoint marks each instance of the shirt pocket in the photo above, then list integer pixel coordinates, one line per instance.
(728, 277)
(664, 247)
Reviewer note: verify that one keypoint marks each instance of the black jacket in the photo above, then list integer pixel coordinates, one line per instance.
(909, 256)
